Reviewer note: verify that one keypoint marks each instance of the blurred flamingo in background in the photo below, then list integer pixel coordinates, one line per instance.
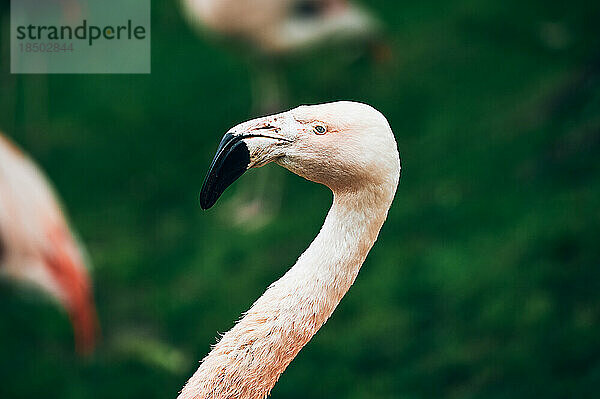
(282, 26)
(37, 246)
(278, 28)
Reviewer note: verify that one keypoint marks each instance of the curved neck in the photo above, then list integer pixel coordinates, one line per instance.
(332, 261)
(247, 362)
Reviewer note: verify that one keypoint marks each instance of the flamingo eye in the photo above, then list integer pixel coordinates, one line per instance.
(320, 129)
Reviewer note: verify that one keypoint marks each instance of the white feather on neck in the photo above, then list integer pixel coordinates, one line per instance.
(248, 360)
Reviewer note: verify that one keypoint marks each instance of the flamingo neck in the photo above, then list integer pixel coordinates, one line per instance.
(248, 360)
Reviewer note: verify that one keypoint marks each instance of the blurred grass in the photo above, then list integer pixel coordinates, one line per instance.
(484, 284)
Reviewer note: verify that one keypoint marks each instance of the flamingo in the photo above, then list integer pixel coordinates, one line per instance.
(281, 26)
(37, 246)
(346, 146)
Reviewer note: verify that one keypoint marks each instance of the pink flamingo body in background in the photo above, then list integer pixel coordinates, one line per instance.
(37, 246)
(281, 26)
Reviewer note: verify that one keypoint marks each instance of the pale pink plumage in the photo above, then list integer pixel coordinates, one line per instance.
(356, 156)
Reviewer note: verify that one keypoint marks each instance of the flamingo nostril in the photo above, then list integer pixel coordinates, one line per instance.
(269, 127)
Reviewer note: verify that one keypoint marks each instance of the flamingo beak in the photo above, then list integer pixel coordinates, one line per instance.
(248, 145)
(230, 162)
(77, 298)
(82, 314)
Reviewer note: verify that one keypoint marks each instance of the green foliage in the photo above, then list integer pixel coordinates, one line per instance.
(485, 281)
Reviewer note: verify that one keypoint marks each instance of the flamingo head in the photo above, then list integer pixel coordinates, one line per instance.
(343, 145)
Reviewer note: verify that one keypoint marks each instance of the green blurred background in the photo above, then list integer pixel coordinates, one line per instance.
(485, 282)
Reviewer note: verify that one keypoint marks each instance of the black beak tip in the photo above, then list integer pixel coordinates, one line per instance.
(231, 161)
(204, 204)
